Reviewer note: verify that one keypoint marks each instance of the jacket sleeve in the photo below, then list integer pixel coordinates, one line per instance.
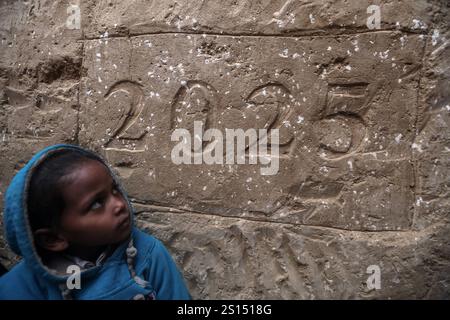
(20, 284)
(164, 275)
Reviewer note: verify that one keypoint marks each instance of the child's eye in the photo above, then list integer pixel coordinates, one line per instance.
(96, 204)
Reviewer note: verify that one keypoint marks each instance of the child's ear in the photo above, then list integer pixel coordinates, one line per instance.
(48, 239)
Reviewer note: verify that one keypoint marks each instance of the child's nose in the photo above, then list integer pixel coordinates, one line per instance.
(119, 204)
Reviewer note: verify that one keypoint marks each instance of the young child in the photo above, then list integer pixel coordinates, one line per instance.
(67, 216)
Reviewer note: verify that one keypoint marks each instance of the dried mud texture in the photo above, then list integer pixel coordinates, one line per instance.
(363, 116)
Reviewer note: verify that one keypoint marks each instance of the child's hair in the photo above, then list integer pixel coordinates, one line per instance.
(45, 200)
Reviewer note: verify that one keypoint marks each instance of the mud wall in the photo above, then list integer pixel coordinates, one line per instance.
(358, 91)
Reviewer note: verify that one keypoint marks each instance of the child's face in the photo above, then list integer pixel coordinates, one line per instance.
(95, 212)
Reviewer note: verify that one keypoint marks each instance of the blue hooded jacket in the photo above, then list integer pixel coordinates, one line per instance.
(140, 268)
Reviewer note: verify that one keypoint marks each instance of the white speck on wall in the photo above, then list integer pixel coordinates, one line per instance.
(435, 37)
(402, 41)
(311, 18)
(323, 170)
(416, 146)
(300, 119)
(417, 24)
(419, 201)
(398, 138)
(350, 164)
(355, 44)
(383, 55)
(284, 54)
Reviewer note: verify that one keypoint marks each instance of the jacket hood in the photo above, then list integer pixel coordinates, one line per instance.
(17, 227)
